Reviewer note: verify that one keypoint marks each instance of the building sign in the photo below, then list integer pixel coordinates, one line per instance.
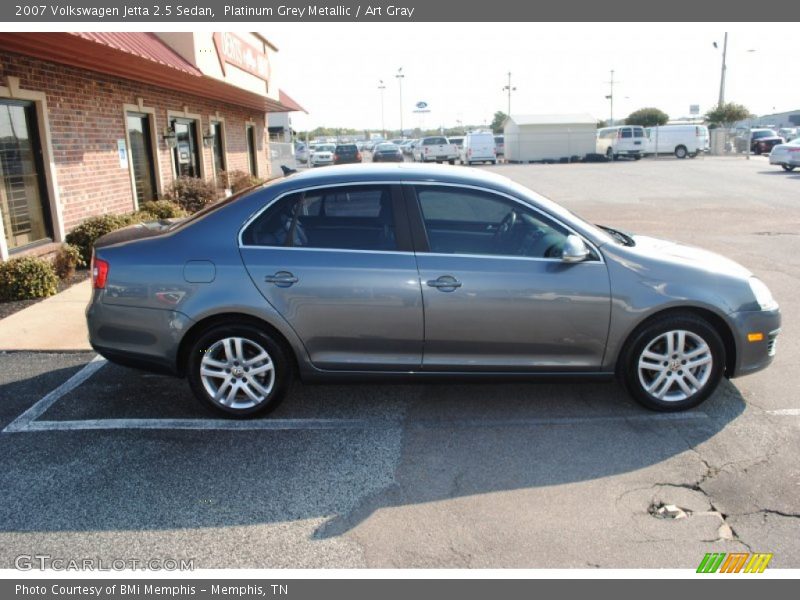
(422, 107)
(233, 50)
(694, 109)
(122, 153)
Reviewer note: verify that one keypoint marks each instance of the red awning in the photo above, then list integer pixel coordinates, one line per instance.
(288, 102)
(137, 56)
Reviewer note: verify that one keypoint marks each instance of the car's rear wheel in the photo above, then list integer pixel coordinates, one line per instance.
(788, 167)
(239, 370)
(674, 363)
(680, 152)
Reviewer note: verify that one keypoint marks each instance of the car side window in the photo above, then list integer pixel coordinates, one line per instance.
(337, 218)
(465, 221)
(626, 132)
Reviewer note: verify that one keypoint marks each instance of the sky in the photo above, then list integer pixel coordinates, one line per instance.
(459, 69)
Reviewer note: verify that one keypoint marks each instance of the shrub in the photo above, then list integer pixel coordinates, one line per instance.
(87, 233)
(163, 209)
(239, 180)
(67, 259)
(27, 277)
(192, 193)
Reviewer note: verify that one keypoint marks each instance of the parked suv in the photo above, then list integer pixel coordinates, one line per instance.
(761, 140)
(346, 153)
(628, 140)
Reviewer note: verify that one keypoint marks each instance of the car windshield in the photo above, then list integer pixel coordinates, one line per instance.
(215, 207)
(325, 148)
(386, 148)
(764, 133)
(347, 148)
(434, 140)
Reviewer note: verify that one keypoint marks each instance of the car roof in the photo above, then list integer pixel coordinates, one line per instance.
(367, 172)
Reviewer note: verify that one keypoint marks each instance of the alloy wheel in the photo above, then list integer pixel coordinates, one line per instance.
(237, 373)
(675, 365)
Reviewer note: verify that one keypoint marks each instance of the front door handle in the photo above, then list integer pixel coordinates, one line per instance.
(282, 279)
(445, 283)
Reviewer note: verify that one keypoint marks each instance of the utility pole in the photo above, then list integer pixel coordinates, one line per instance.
(508, 88)
(382, 87)
(400, 77)
(724, 68)
(610, 98)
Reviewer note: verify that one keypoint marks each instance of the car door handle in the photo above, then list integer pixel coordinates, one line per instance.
(446, 283)
(281, 279)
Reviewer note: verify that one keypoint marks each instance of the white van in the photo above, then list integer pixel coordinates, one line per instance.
(625, 140)
(680, 140)
(478, 147)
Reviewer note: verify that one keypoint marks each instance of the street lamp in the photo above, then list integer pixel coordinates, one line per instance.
(724, 68)
(508, 88)
(382, 87)
(399, 78)
(610, 98)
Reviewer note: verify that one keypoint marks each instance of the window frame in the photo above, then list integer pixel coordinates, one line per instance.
(402, 229)
(420, 233)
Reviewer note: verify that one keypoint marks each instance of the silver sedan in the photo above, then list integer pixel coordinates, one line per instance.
(406, 271)
(786, 155)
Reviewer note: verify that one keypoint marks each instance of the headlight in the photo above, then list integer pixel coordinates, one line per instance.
(762, 294)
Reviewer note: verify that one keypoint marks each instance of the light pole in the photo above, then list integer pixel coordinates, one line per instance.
(400, 77)
(382, 87)
(724, 68)
(610, 98)
(508, 88)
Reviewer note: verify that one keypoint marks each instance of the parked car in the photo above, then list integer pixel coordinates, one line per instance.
(387, 152)
(436, 149)
(322, 154)
(407, 147)
(478, 147)
(500, 145)
(346, 153)
(353, 271)
(458, 142)
(680, 140)
(301, 152)
(789, 133)
(761, 140)
(628, 140)
(786, 155)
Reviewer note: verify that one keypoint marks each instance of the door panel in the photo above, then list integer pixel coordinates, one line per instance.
(496, 295)
(347, 282)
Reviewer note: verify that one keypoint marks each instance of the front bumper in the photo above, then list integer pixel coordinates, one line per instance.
(752, 356)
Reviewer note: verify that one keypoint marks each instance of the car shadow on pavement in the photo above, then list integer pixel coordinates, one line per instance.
(421, 443)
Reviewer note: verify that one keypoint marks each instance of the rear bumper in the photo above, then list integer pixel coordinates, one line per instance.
(757, 355)
(144, 338)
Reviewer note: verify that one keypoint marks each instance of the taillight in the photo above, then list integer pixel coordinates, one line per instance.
(335, 157)
(794, 149)
(99, 273)
(358, 155)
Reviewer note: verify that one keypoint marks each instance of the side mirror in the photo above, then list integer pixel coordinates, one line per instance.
(575, 250)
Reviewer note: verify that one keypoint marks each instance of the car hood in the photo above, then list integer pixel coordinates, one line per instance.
(666, 251)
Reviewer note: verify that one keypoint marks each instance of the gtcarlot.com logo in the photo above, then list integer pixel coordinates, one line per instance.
(736, 562)
(45, 562)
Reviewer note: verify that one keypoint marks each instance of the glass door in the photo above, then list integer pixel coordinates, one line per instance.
(186, 153)
(142, 161)
(23, 201)
(251, 148)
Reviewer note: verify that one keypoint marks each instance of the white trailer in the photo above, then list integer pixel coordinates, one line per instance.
(556, 138)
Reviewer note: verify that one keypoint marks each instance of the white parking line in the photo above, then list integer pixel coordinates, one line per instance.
(785, 412)
(340, 424)
(22, 422)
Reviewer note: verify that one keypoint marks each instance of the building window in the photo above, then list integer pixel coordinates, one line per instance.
(23, 197)
(141, 156)
(186, 153)
(218, 147)
(251, 149)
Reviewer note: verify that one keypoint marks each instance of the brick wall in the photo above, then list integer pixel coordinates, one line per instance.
(86, 118)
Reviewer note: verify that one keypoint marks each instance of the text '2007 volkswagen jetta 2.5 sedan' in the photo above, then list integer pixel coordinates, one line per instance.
(413, 271)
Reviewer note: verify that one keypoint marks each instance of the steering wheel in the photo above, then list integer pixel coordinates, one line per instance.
(506, 225)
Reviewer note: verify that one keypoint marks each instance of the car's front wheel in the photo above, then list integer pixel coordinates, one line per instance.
(788, 167)
(239, 370)
(674, 363)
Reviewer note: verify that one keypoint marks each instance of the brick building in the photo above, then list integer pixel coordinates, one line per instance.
(94, 123)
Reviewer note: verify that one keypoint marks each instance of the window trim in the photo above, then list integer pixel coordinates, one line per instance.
(420, 237)
(12, 91)
(218, 119)
(140, 108)
(399, 213)
(198, 132)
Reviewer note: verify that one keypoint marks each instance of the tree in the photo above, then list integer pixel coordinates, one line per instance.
(647, 117)
(727, 114)
(498, 121)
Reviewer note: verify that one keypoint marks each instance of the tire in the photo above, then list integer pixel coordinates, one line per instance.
(693, 155)
(788, 167)
(680, 152)
(452, 162)
(494, 162)
(658, 378)
(610, 154)
(256, 388)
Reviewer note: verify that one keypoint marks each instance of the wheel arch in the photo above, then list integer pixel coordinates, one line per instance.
(197, 329)
(714, 320)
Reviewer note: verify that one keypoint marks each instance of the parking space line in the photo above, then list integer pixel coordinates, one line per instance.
(785, 412)
(337, 424)
(22, 422)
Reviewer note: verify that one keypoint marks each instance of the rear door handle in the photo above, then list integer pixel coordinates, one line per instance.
(446, 283)
(282, 279)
